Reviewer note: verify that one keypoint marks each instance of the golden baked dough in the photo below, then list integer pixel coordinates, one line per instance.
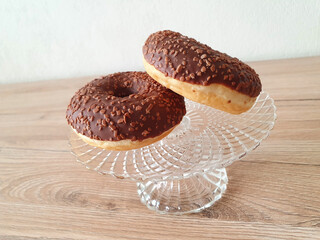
(122, 145)
(215, 95)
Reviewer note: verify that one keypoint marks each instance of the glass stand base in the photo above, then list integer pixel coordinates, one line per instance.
(186, 195)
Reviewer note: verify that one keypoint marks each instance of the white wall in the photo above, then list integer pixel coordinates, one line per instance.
(42, 39)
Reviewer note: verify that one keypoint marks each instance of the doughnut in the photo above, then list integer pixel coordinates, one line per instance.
(124, 111)
(199, 73)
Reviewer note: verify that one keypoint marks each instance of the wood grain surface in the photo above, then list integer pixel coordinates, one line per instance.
(273, 193)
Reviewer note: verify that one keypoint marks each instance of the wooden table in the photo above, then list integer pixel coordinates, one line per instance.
(273, 193)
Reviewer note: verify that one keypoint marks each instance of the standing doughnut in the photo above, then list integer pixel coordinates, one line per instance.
(196, 71)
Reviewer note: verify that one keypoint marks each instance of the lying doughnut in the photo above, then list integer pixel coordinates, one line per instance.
(124, 111)
(196, 71)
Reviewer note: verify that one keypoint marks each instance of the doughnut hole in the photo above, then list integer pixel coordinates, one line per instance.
(123, 92)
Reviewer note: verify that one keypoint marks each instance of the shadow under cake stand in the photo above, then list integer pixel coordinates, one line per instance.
(185, 171)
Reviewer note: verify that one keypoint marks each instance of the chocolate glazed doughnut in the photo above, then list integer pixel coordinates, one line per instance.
(124, 111)
(200, 73)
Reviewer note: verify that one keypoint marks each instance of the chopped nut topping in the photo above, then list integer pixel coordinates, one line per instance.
(203, 56)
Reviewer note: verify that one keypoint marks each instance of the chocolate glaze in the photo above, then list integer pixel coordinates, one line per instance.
(128, 105)
(188, 60)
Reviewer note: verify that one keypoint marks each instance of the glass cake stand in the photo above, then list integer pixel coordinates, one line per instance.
(185, 171)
